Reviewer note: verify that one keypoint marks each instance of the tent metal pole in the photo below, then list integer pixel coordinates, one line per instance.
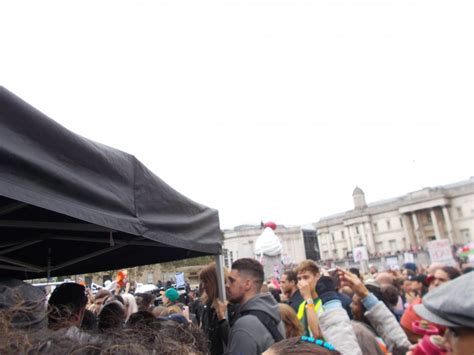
(12, 207)
(64, 226)
(22, 264)
(220, 276)
(21, 246)
(18, 268)
(16, 242)
(48, 271)
(86, 257)
(144, 242)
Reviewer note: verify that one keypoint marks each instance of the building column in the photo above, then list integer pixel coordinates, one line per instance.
(417, 228)
(349, 241)
(333, 244)
(370, 238)
(363, 236)
(435, 224)
(449, 226)
(319, 238)
(409, 232)
(350, 237)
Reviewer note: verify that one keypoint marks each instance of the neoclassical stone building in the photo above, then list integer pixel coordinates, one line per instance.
(402, 223)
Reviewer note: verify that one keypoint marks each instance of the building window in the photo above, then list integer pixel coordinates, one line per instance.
(401, 222)
(393, 245)
(149, 277)
(226, 258)
(332, 237)
(429, 221)
(459, 211)
(231, 257)
(357, 229)
(344, 252)
(388, 225)
(342, 235)
(376, 227)
(334, 253)
(379, 246)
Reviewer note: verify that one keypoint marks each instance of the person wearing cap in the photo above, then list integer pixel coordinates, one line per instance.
(441, 276)
(452, 306)
(410, 266)
(170, 297)
(418, 285)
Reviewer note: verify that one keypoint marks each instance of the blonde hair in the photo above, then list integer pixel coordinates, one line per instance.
(307, 265)
(293, 327)
(132, 304)
(159, 311)
(172, 310)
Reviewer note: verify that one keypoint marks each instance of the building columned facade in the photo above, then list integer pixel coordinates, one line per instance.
(400, 224)
(298, 243)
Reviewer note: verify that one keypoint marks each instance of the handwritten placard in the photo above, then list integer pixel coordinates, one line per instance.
(440, 252)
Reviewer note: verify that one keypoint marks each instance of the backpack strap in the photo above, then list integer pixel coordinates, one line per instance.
(270, 323)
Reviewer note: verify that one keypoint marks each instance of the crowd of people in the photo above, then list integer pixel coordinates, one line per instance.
(307, 310)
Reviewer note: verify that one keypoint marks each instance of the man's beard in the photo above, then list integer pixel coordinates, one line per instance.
(235, 300)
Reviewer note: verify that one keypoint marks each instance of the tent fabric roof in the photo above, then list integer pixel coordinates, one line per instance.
(70, 197)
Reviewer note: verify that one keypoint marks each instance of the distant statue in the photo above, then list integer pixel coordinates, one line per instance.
(268, 250)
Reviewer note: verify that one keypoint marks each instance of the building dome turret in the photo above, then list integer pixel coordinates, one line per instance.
(359, 198)
(358, 191)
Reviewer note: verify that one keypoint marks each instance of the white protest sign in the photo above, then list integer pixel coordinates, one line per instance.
(276, 271)
(409, 258)
(440, 252)
(180, 280)
(392, 261)
(360, 254)
(286, 259)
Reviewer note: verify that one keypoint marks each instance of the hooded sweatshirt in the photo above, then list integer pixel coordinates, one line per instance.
(248, 335)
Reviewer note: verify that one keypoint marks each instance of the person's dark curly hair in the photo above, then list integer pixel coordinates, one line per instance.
(451, 271)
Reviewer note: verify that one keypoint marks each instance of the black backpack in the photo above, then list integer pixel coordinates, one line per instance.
(270, 323)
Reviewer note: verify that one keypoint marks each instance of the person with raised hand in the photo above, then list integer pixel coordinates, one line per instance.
(334, 322)
(308, 275)
(380, 317)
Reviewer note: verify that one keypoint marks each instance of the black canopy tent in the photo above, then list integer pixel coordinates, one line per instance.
(69, 205)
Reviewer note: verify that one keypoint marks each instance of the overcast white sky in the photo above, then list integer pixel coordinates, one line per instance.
(264, 110)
